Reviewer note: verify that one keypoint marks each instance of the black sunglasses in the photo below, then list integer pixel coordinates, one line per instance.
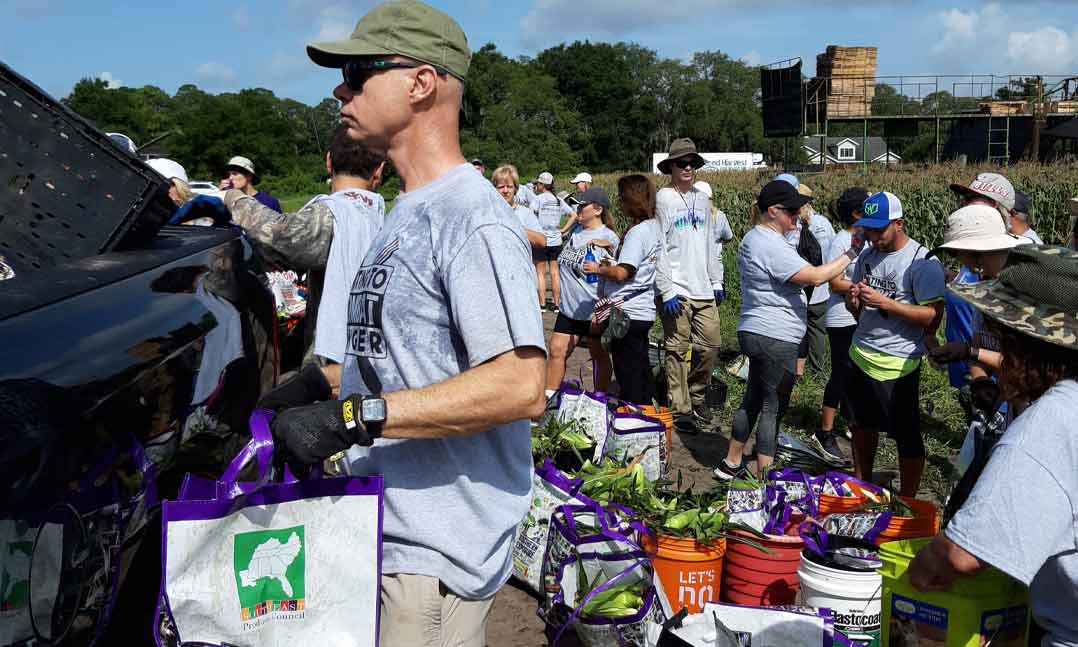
(357, 72)
(682, 163)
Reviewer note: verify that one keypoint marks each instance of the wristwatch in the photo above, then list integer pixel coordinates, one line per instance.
(371, 418)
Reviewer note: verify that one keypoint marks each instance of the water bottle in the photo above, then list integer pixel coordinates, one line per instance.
(589, 257)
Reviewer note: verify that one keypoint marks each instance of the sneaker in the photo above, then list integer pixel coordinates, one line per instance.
(727, 472)
(685, 423)
(555, 309)
(827, 445)
(548, 305)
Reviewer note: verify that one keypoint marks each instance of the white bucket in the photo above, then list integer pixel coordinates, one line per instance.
(854, 596)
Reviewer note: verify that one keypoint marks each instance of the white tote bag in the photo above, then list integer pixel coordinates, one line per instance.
(273, 565)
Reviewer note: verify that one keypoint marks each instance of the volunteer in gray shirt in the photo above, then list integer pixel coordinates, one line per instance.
(593, 239)
(444, 363)
(630, 286)
(326, 238)
(506, 180)
(816, 335)
(772, 322)
(1021, 217)
(839, 322)
(897, 298)
(1022, 516)
(549, 210)
(689, 290)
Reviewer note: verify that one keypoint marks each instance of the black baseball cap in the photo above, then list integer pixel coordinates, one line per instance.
(596, 195)
(782, 193)
(852, 199)
(1021, 203)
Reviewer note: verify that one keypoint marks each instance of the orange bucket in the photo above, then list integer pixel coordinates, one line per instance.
(663, 414)
(830, 503)
(924, 523)
(690, 572)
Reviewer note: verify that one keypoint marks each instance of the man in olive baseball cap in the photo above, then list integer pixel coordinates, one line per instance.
(407, 28)
(443, 304)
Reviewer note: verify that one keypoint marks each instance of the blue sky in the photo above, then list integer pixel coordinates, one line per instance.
(222, 46)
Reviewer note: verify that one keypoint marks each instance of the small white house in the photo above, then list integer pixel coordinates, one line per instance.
(848, 150)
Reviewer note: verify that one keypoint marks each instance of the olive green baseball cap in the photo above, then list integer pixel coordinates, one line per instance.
(406, 28)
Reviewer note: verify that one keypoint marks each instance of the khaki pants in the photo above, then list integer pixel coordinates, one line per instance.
(698, 326)
(418, 611)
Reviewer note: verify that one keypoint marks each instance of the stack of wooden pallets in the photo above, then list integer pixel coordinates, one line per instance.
(852, 79)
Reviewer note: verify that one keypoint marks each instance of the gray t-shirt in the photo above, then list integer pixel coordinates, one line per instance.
(821, 229)
(770, 305)
(1022, 516)
(578, 296)
(357, 218)
(527, 219)
(640, 250)
(525, 195)
(837, 314)
(550, 210)
(1032, 236)
(907, 277)
(723, 234)
(694, 263)
(447, 285)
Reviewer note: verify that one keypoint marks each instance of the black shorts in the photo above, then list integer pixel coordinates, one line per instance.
(546, 253)
(891, 406)
(574, 327)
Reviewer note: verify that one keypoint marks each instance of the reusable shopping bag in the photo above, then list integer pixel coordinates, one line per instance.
(271, 564)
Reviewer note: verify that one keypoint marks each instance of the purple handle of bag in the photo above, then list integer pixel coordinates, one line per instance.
(259, 448)
(778, 512)
(551, 474)
(814, 541)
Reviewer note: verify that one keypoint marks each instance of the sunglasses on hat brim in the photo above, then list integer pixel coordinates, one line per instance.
(356, 72)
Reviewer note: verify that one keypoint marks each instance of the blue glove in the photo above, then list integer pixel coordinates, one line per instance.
(720, 296)
(672, 307)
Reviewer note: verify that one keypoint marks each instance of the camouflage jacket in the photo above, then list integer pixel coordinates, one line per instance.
(300, 240)
(297, 240)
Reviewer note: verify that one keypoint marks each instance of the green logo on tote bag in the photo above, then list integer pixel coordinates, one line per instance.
(270, 569)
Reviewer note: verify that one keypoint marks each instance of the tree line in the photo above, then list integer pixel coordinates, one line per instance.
(595, 106)
(586, 105)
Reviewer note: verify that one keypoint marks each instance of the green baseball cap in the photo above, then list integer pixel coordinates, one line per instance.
(403, 28)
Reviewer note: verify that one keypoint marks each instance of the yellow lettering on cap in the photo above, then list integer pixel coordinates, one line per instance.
(347, 413)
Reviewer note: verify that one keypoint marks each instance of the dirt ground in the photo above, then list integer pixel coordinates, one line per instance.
(512, 620)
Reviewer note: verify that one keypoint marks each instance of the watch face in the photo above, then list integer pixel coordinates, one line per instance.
(373, 410)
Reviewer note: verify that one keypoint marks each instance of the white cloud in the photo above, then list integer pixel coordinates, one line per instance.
(1045, 50)
(752, 58)
(981, 41)
(335, 21)
(215, 74)
(111, 82)
(551, 21)
(241, 18)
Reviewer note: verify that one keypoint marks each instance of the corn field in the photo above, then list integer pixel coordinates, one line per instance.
(926, 198)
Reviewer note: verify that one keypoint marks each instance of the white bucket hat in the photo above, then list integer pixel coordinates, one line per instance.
(977, 228)
(168, 168)
(243, 163)
(703, 187)
(582, 177)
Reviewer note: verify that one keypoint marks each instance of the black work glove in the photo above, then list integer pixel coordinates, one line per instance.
(307, 386)
(950, 352)
(310, 434)
(985, 394)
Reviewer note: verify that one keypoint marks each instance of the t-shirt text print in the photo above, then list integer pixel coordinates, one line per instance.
(365, 338)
